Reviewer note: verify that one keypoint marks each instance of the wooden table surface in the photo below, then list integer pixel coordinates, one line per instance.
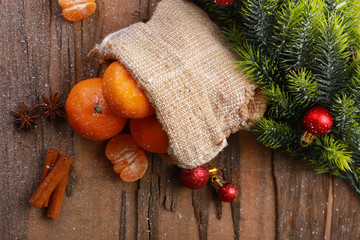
(42, 53)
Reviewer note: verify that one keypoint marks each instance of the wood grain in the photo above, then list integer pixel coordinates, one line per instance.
(42, 53)
(302, 198)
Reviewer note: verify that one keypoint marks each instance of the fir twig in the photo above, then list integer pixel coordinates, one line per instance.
(331, 58)
(302, 88)
(256, 66)
(334, 151)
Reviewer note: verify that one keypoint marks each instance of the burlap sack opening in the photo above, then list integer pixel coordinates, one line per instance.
(179, 59)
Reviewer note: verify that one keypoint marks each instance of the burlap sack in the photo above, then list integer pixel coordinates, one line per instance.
(179, 60)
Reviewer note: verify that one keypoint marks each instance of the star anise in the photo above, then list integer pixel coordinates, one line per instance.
(52, 108)
(26, 118)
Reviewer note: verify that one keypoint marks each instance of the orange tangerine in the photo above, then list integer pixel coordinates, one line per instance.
(123, 95)
(89, 114)
(75, 10)
(149, 134)
(128, 159)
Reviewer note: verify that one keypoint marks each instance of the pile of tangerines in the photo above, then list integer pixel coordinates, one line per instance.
(99, 108)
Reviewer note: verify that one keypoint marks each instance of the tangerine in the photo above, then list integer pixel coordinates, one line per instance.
(75, 10)
(128, 159)
(149, 134)
(89, 114)
(123, 95)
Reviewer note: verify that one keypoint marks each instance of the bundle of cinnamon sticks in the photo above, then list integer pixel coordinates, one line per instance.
(53, 183)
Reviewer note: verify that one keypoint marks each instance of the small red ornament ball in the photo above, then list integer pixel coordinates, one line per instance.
(227, 193)
(318, 120)
(195, 178)
(224, 2)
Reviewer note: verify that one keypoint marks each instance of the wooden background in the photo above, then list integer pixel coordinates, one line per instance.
(42, 53)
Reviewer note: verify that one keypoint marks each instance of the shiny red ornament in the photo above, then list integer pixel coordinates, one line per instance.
(224, 2)
(228, 192)
(318, 120)
(195, 178)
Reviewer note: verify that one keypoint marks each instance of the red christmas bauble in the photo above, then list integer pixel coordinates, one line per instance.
(227, 193)
(224, 2)
(195, 178)
(318, 120)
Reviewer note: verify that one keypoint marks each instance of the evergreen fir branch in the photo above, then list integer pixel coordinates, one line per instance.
(352, 139)
(349, 11)
(331, 58)
(354, 85)
(303, 52)
(334, 151)
(334, 7)
(289, 19)
(297, 52)
(234, 36)
(259, 19)
(351, 14)
(344, 113)
(353, 65)
(256, 66)
(303, 88)
(352, 177)
(281, 106)
(278, 136)
(322, 165)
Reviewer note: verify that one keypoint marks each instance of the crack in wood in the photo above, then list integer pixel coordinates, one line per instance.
(235, 213)
(71, 181)
(170, 184)
(329, 211)
(233, 175)
(122, 228)
(218, 206)
(201, 202)
(143, 203)
(143, 11)
(154, 207)
(149, 201)
(273, 175)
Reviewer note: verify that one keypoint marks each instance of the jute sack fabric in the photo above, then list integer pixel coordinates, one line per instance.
(179, 59)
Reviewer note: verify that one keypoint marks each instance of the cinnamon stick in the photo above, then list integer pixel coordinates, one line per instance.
(50, 160)
(57, 198)
(45, 189)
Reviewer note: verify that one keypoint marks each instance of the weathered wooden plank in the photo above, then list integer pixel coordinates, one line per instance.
(42, 53)
(345, 212)
(48, 54)
(257, 190)
(24, 72)
(302, 198)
